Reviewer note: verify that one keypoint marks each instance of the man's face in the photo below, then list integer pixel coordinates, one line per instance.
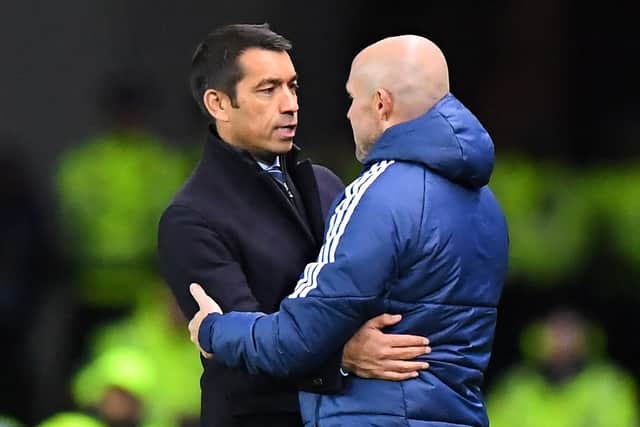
(264, 123)
(361, 114)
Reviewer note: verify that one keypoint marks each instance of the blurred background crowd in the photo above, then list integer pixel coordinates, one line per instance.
(97, 131)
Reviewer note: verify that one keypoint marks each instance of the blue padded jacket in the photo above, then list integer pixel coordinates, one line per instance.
(418, 233)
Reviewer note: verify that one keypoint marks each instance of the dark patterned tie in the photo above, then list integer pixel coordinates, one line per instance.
(277, 174)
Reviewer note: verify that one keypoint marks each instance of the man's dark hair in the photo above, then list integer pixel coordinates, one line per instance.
(215, 61)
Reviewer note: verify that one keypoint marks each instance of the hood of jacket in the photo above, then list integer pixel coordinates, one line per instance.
(447, 139)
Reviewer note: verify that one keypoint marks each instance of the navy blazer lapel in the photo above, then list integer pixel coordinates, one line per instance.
(236, 168)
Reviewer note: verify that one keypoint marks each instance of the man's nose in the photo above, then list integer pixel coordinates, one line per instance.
(289, 102)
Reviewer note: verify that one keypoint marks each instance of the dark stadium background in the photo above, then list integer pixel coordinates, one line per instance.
(551, 80)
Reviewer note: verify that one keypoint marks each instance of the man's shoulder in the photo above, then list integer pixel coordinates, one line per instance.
(203, 185)
(389, 186)
(325, 177)
(185, 194)
(388, 174)
(320, 169)
(187, 203)
(179, 213)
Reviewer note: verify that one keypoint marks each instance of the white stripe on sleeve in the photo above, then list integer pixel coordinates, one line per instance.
(337, 225)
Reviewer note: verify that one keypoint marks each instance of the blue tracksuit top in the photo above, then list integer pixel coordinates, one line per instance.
(418, 233)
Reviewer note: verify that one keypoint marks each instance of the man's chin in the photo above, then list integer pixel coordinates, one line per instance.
(283, 146)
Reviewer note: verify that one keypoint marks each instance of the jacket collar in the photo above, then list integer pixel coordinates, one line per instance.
(448, 139)
(215, 144)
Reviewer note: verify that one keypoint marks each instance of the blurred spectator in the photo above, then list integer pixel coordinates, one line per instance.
(550, 224)
(564, 380)
(112, 190)
(71, 419)
(115, 385)
(155, 343)
(29, 276)
(615, 195)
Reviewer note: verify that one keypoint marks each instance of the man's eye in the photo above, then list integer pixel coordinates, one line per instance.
(267, 90)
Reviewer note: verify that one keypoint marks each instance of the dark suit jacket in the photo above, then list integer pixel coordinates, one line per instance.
(232, 229)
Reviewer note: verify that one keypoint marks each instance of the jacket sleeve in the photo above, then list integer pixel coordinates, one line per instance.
(190, 251)
(335, 295)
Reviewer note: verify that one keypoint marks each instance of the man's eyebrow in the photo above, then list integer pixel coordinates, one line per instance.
(275, 81)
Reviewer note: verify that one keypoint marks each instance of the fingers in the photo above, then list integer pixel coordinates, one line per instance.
(194, 330)
(194, 326)
(393, 371)
(383, 320)
(403, 367)
(399, 340)
(200, 296)
(190, 326)
(394, 376)
(406, 353)
(390, 369)
(397, 376)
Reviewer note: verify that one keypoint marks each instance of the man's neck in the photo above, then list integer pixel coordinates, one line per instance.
(266, 158)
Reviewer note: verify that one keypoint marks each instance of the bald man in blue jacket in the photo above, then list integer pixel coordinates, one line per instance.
(418, 233)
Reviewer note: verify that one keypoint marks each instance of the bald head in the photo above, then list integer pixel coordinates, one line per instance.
(392, 81)
(412, 69)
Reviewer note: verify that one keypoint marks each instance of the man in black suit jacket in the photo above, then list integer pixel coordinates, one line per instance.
(250, 218)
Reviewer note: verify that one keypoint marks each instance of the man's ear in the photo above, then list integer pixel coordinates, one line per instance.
(217, 104)
(383, 104)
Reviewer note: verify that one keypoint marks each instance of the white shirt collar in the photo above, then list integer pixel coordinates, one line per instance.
(265, 166)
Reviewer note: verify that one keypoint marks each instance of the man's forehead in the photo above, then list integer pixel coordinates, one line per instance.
(352, 81)
(262, 63)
